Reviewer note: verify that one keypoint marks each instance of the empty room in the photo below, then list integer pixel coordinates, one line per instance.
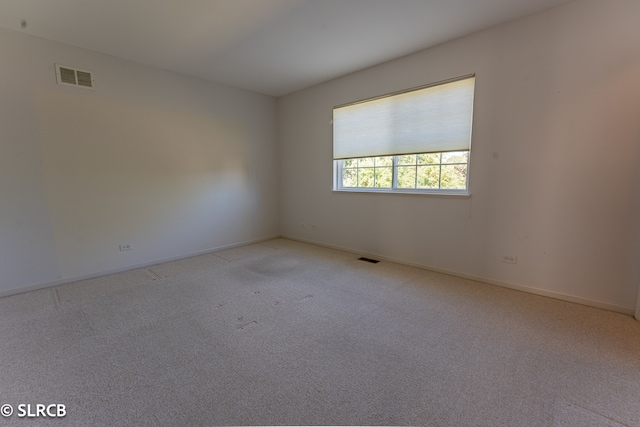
(320, 212)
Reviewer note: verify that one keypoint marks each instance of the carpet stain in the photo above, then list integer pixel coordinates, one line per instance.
(56, 297)
(571, 413)
(244, 325)
(154, 274)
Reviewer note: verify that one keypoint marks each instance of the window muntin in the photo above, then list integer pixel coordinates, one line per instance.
(367, 172)
(413, 141)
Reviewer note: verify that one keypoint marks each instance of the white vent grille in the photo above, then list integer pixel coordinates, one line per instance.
(71, 76)
(84, 79)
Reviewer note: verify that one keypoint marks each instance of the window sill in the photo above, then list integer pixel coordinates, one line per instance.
(411, 192)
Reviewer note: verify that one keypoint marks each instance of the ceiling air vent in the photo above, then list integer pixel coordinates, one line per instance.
(74, 77)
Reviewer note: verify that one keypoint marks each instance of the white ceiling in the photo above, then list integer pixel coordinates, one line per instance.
(273, 47)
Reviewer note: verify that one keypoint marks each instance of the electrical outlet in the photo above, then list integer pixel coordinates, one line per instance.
(126, 247)
(303, 225)
(510, 259)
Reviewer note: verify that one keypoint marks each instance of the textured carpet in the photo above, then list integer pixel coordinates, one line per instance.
(283, 332)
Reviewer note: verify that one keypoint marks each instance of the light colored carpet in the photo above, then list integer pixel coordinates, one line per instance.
(283, 332)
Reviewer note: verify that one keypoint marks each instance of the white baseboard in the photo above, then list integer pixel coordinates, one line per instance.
(65, 280)
(631, 311)
(532, 290)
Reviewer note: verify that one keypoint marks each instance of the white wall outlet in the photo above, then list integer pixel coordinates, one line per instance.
(126, 247)
(511, 259)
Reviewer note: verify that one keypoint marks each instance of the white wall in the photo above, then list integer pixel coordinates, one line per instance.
(554, 164)
(170, 164)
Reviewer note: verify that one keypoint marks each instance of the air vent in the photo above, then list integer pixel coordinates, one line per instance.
(84, 79)
(74, 77)
(67, 76)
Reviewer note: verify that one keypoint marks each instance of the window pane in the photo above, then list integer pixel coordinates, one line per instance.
(455, 157)
(365, 162)
(429, 159)
(428, 176)
(365, 177)
(350, 163)
(414, 171)
(350, 178)
(454, 176)
(384, 177)
(406, 177)
(384, 161)
(407, 159)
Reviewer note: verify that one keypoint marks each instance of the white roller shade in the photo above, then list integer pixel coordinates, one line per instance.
(431, 119)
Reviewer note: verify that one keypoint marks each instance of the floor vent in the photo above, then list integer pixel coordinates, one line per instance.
(70, 76)
(372, 261)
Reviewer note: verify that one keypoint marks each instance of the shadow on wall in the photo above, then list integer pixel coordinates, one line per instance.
(121, 173)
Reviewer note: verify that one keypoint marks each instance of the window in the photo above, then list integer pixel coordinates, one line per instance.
(425, 171)
(413, 141)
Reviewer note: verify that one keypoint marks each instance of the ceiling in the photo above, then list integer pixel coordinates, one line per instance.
(273, 47)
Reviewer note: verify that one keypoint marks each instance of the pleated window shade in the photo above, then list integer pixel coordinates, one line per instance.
(436, 118)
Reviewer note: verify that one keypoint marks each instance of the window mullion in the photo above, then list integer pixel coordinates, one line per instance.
(440, 174)
(375, 178)
(394, 182)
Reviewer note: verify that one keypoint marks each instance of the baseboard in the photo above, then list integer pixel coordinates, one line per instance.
(529, 289)
(72, 279)
(631, 311)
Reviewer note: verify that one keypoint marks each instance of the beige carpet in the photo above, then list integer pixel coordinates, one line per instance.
(288, 333)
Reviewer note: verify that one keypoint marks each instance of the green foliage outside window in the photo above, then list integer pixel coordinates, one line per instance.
(414, 171)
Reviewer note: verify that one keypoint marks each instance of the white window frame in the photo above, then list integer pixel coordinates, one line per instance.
(338, 163)
(338, 175)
